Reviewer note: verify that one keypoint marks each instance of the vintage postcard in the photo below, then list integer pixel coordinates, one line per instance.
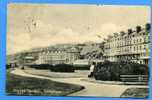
(78, 50)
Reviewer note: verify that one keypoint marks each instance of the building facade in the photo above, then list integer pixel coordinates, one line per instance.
(133, 46)
(58, 56)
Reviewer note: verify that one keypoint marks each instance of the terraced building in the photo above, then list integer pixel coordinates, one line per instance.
(58, 56)
(133, 45)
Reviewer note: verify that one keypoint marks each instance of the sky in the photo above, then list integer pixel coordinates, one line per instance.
(37, 25)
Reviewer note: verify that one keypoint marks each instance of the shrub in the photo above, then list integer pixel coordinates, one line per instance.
(55, 68)
(112, 70)
(63, 68)
(102, 75)
(81, 67)
(41, 66)
(8, 66)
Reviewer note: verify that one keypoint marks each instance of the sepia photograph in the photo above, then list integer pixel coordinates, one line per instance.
(83, 50)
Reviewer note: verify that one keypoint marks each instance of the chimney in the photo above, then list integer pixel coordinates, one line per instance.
(138, 29)
(130, 31)
(147, 27)
(122, 33)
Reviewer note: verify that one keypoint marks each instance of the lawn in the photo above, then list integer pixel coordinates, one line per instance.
(136, 93)
(48, 73)
(19, 85)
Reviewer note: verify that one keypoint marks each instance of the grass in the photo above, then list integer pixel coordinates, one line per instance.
(48, 73)
(19, 85)
(136, 93)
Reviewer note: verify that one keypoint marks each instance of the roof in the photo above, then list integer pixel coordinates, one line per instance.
(73, 49)
(81, 62)
(28, 57)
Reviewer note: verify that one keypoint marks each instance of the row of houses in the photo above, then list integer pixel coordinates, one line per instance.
(48, 55)
(133, 45)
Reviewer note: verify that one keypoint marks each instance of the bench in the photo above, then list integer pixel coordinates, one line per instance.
(134, 78)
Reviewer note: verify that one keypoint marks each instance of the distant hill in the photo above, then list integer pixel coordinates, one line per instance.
(88, 50)
(92, 51)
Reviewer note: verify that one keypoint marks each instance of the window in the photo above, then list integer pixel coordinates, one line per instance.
(140, 47)
(144, 46)
(148, 38)
(145, 39)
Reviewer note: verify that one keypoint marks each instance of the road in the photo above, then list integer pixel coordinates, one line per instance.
(91, 89)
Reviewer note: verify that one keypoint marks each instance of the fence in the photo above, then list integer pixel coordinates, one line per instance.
(134, 78)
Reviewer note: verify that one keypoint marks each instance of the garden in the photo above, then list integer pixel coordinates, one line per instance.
(111, 71)
(21, 85)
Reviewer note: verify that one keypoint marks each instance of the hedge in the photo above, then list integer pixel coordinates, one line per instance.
(54, 68)
(111, 71)
(81, 67)
(41, 66)
(63, 68)
(8, 66)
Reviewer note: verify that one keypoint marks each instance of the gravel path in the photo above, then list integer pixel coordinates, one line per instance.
(91, 89)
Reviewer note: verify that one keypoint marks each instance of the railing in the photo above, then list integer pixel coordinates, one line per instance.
(134, 78)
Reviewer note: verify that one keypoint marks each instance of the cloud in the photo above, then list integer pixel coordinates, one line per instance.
(38, 28)
(17, 43)
(37, 25)
(45, 34)
(110, 28)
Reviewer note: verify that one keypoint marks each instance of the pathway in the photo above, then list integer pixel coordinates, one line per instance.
(91, 89)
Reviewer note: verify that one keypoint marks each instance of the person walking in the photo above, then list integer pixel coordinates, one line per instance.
(92, 69)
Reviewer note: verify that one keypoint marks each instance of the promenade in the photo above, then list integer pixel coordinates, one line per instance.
(91, 88)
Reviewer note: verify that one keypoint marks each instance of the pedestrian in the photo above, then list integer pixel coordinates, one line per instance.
(92, 69)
